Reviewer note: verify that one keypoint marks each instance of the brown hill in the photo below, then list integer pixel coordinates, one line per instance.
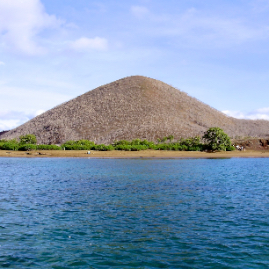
(133, 107)
(3, 132)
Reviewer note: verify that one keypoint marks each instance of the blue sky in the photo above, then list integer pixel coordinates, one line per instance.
(52, 51)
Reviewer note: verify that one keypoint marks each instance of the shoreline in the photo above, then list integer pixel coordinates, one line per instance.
(147, 154)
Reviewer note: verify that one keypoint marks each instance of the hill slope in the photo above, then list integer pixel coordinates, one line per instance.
(132, 107)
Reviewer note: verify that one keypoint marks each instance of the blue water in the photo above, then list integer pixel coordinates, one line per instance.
(110, 213)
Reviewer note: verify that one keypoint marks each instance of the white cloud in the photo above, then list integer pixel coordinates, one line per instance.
(234, 114)
(39, 112)
(259, 114)
(2, 63)
(20, 24)
(139, 11)
(263, 110)
(6, 125)
(85, 44)
(12, 119)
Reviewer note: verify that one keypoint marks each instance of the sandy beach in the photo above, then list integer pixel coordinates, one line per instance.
(134, 154)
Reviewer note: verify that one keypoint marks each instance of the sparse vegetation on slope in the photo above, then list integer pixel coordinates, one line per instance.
(130, 108)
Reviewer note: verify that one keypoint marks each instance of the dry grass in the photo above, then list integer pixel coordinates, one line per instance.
(133, 107)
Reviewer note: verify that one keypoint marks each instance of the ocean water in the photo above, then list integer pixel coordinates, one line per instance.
(134, 213)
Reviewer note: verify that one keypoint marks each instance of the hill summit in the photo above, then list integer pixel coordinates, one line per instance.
(129, 108)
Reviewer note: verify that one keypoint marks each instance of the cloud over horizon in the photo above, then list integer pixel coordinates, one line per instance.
(12, 119)
(258, 114)
(20, 24)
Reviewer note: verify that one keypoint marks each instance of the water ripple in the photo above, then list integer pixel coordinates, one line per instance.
(86, 213)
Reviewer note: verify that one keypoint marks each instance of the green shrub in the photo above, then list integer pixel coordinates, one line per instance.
(136, 142)
(9, 145)
(191, 142)
(132, 145)
(184, 148)
(67, 147)
(48, 147)
(110, 147)
(85, 142)
(230, 148)
(28, 139)
(146, 142)
(151, 145)
(175, 147)
(123, 147)
(103, 147)
(121, 142)
(138, 147)
(170, 138)
(216, 139)
(69, 142)
(77, 147)
(27, 147)
(195, 148)
(163, 147)
(82, 144)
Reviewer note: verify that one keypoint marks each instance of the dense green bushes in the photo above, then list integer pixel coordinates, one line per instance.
(48, 147)
(23, 146)
(131, 147)
(230, 148)
(78, 145)
(103, 147)
(28, 139)
(216, 138)
(9, 144)
(26, 147)
(14, 145)
(190, 144)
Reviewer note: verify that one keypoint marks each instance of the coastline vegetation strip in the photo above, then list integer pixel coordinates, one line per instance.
(213, 140)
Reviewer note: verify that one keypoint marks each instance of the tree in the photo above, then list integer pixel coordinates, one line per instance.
(217, 139)
(28, 139)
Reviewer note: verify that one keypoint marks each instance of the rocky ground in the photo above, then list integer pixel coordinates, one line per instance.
(252, 143)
